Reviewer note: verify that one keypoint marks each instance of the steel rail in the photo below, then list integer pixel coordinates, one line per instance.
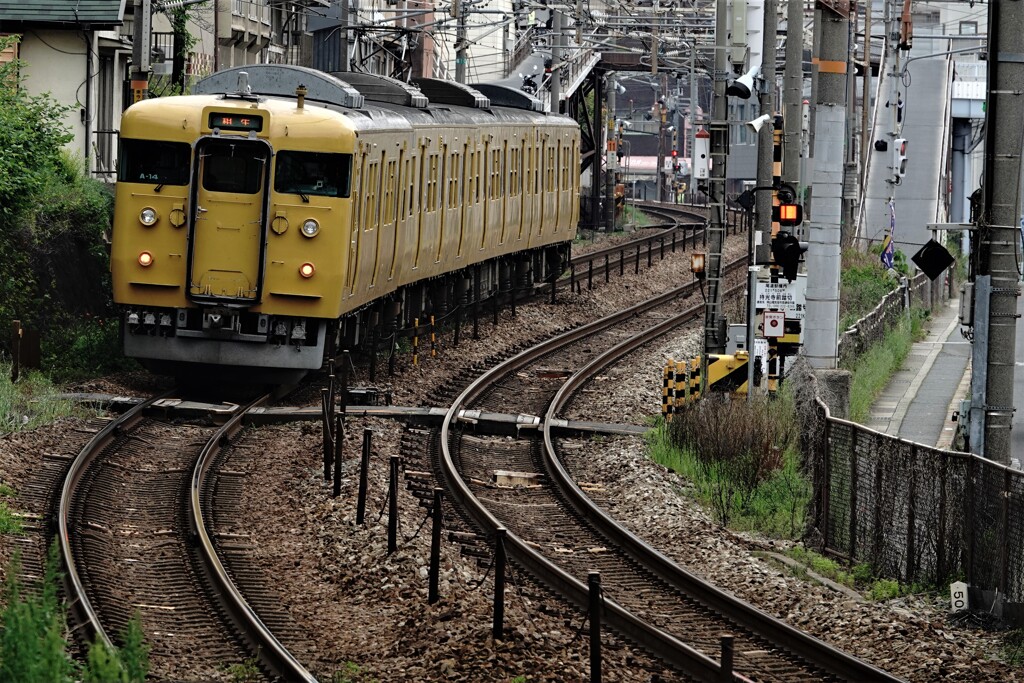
(81, 608)
(776, 631)
(663, 645)
(269, 649)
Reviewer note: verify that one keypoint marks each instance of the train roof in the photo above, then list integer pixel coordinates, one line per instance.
(379, 102)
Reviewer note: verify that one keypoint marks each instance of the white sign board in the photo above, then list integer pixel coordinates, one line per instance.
(761, 351)
(774, 324)
(958, 596)
(790, 297)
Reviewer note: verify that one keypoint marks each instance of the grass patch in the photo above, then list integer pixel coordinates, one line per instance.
(822, 565)
(33, 645)
(1013, 647)
(634, 216)
(9, 524)
(32, 402)
(758, 487)
(859, 576)
(876, 366)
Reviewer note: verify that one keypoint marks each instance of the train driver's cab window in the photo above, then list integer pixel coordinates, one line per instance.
(151, 161)
(233, 167)
(320, 174)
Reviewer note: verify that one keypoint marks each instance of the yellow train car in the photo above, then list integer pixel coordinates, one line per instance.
(281, 212)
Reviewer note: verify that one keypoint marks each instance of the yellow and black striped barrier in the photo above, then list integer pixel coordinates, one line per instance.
(680, 383)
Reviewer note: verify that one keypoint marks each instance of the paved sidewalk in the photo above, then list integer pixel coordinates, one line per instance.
(920, 398)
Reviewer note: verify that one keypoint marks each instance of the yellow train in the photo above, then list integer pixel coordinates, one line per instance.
(282, 211)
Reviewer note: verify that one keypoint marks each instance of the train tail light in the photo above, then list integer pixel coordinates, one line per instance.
(307, 269)
(145, 259)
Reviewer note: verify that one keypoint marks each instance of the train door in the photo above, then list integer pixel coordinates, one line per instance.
(227, 233)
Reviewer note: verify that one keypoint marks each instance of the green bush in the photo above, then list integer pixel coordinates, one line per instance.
(740, 458)
(31, 138)
(863, 284)
(32, 402)
(33, 630)
(54, 268)
(9, 524)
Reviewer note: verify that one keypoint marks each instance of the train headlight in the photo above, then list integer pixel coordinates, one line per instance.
(148, 216)
(306, 270)
(310, 228)
(145, 259)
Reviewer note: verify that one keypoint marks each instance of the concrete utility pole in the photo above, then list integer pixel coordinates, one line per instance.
(766, 136)
(999, 227)
(662, 117)
(821, 322)
(343, 38)
(765, 172)
(141, 49)
(555, 87)
(865, 97)
(611, 156)
(693, 118)
(793, 95)
(461, 44)
(714, 319)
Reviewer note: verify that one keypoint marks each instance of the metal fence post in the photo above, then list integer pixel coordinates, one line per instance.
(339, 443)
(393, 504)
(912, 516)
(1004, 555)
(433, 592)
(364, 466)
(498, 626)
(327, 441)
(594, 605)
(853, 497)
(826, 485)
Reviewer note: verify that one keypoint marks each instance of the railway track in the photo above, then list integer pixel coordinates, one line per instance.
(552, 530)
(146, 527)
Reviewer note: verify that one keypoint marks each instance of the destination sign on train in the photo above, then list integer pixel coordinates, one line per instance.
(236, 122)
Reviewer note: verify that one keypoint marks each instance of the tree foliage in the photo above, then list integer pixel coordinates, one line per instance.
(54, 271)
(31, 137)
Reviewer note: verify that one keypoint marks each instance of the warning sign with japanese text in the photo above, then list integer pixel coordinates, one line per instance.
(790, 297)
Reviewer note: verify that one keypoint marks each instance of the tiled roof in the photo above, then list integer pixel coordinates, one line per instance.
(96, 13)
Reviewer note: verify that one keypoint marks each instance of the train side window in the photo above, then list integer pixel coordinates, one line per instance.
(154, 161)
(454, 197)
(320, 174)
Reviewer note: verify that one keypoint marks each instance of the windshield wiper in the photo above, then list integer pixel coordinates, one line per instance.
(305, 199)
(158, 187)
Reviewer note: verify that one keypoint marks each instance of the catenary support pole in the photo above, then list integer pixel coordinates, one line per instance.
(611, 157)
(714, 319)
(999, 248)
(793, 96)
(821, 322)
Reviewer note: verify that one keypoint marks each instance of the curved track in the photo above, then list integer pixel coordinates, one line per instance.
(134, 520)
(560, 537)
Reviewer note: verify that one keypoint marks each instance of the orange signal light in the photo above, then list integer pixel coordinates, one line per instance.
(145, 259)
(306, 270)
(788, 215)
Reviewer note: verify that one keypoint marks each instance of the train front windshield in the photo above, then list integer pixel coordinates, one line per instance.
(153, 161)
(313, 173)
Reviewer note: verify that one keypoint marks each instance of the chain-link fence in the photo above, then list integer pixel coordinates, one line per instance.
(917, 513)
(872, 327)
(912, 512)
